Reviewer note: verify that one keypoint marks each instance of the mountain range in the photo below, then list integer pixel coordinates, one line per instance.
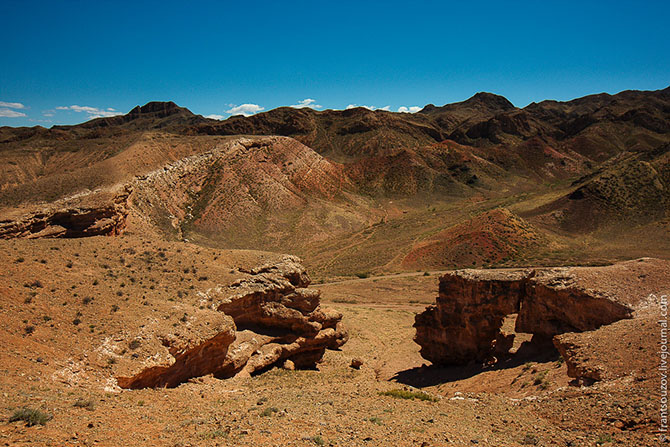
(475, 183)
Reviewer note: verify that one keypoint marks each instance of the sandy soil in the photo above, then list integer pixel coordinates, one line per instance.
(67, 370)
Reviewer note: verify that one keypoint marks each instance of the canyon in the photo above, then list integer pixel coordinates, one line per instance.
(475, 273)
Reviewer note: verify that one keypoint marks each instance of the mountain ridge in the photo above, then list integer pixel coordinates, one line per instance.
(371, 190)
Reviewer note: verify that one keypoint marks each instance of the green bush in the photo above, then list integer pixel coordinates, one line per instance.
(406, 394)
(30, 416)
(269, 411)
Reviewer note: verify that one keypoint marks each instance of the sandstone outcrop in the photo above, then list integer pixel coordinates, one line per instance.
(199, 352)
(268, 318)
(468, 314)
(278, 318)
(93, 214)
(465, 323)
(631, 347)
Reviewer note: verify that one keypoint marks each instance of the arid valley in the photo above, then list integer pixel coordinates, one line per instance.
(469, 274)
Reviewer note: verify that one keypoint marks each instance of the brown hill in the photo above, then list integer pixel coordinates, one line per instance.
(365, 185)
(341, 135)
(265, 191)
(630, 190)
(487, 238)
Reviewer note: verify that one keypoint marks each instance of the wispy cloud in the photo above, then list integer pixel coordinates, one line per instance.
(306, 103)
(92, 112)
(245, 109)
(214, 116)
(12, 105)
(410, 109)
(353, 106)
(9, 113)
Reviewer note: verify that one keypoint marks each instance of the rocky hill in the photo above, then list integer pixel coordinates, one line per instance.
(360, 179)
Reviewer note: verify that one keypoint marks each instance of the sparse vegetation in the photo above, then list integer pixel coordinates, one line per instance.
(30, 416)
(604, 439)
(318, 440)
(376, 420)
(219, 433)
(541, 380)
(269, 411)
(530, 439)
(84, 403)
(408, 394)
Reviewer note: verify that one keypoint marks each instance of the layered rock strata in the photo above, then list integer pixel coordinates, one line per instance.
(465, 323)
(268, 318)
(92, 214)
(278, 318)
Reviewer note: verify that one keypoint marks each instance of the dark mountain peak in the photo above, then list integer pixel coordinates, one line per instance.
(159, 109)
(154, 114)
(428, 108)
(483, 103)
(489, 100)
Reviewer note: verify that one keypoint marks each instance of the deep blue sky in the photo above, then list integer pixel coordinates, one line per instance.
(213, 56)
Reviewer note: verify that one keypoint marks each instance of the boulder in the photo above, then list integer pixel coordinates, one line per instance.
(200, 351)
(278, 318)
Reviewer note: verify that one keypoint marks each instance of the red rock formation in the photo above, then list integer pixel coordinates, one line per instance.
(264, 320)
(95, 214)
(613, 351)
(279, 318)
(468, 315)
(464, 324)
(194, 354)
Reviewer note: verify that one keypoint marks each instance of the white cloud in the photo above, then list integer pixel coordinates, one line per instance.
(308, 102)
(92, 112)
(215, 117)
(410, 109)
(353, 106)
(245, 109)
(12, 105)
(48, 114)
(8, 113)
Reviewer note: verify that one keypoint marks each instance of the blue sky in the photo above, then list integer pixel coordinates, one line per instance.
(64, 62)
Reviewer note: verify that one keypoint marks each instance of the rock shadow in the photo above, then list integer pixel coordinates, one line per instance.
(536, 351)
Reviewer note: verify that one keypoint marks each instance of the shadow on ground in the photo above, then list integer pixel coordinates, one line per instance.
(431, 375)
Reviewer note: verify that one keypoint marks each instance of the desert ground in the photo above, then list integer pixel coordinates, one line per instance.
(62, 352)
